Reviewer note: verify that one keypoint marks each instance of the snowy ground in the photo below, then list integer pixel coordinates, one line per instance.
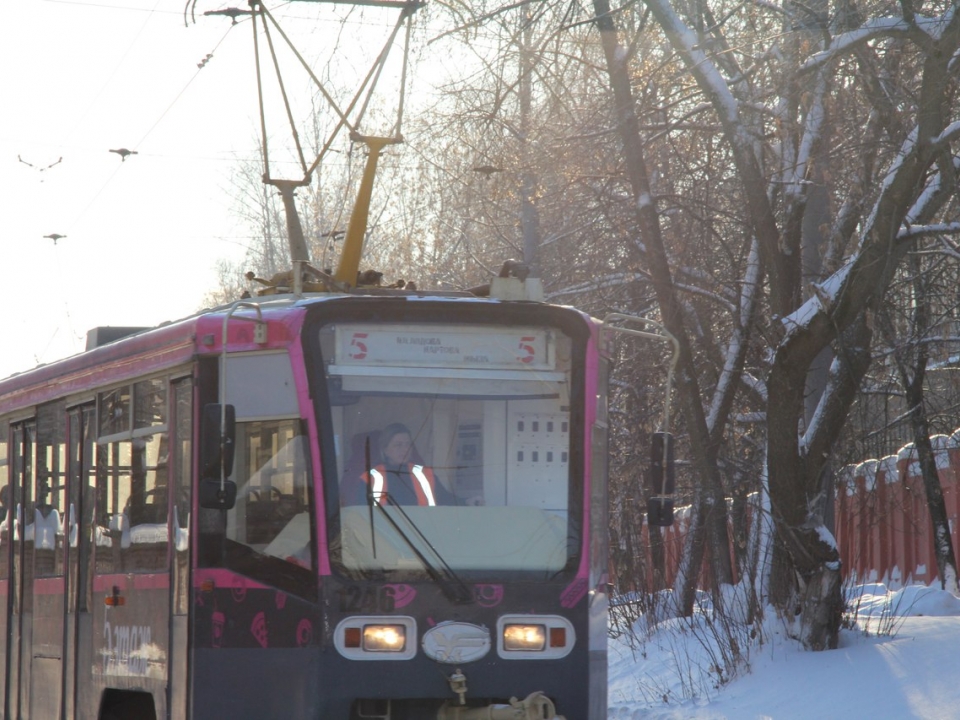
(898, 661)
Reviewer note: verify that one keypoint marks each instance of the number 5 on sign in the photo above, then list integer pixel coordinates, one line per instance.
(527, 351)
(358, 348)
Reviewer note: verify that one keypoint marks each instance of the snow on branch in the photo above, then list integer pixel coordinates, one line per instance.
(697, 274)
(824, 297)
(924, 200)
(710, 295)
(871, 29)
(913, 231)
(602, 283)
(934, 194)
(688, 42)
(950, 132)
(813, 129)
(733, 360)
(950, 249)
(754, 384)
(806, 437)
(907, 148)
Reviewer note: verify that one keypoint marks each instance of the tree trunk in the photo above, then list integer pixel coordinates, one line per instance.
(807, 561)
(710, 521)
(942, 537)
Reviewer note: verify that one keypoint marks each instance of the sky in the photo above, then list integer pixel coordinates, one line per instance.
(898, 661)
(143, 235)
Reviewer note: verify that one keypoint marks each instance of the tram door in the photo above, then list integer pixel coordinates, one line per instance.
(78, 529)
(129, 606)
(37, 533)
(5, 537)
(45, 545)
(20, 630)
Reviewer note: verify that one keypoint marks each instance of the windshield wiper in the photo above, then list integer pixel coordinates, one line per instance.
(370, 498)
(442, 574)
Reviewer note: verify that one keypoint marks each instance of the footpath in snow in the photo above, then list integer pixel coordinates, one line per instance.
(899, 661)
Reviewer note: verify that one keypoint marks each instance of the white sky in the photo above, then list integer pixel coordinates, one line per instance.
(144, 235)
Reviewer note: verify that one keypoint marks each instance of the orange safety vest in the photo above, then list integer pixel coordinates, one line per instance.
(423, 487)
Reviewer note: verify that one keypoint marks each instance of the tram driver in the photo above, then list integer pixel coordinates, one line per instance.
(400, 478)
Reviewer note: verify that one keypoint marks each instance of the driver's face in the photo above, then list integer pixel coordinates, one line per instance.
(398, 449)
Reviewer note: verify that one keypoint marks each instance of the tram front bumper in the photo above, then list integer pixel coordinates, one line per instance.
(536, 706)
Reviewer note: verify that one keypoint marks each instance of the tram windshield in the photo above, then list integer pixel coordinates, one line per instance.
(453, 450)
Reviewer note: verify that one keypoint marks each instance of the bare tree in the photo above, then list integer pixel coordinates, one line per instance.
(771, 100)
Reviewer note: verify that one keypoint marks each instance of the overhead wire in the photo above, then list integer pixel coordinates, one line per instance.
(108, 6)
(106, 183)
(365, 90)
(187, 85)
(147, 134)
(95, 100)
(373, 75)
(286, 101)
(77, 123)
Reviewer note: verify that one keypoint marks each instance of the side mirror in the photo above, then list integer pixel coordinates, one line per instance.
(216, 450)
(214, 497)
(660, 512)
(661, 480)
(216, 457)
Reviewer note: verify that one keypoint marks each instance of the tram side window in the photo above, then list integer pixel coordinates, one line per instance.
(181, 475)
(4, 501)
(45, 526)
(268, 531)
(131, 532)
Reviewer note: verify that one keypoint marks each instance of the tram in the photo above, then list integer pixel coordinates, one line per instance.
(192, 526)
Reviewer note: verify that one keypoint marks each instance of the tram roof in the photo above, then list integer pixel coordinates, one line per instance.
(115, 353)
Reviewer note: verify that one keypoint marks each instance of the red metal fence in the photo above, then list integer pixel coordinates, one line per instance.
(882, 523)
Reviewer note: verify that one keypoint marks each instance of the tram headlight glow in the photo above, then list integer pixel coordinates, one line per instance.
(384, 638)
(524, 637)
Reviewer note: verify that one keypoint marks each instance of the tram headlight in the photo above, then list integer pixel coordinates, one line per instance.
(524, 637)
(376, 637)
(534, 637)
(384, 638)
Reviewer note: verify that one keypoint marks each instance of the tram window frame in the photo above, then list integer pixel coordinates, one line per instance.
(247, 550)
(181, 476)
(131, 534)
(82, 423)
(557, 486)
(6, 506)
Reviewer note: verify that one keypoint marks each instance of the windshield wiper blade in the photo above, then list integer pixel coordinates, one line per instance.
(444, 576)
(370, 498)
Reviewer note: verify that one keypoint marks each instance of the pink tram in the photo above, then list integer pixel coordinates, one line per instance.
(191, 526)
